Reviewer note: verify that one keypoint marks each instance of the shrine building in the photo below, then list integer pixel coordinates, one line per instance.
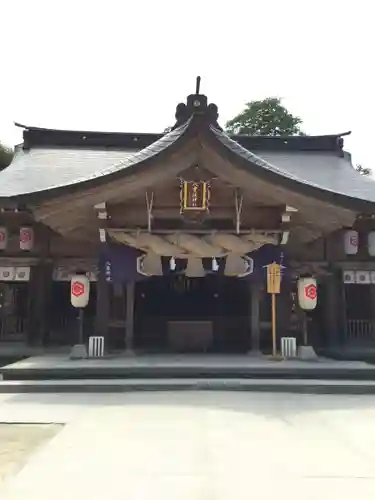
(175, 231)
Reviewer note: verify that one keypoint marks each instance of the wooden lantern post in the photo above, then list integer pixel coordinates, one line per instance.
(307, 299)
(273, 287)
(79, 298)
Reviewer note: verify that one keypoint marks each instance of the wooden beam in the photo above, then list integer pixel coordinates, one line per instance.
(196, 231)
(129, 211)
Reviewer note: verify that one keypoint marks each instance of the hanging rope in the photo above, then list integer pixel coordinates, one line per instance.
(238, 200)
(149, 204)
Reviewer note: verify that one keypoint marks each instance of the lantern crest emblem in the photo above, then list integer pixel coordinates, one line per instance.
(78, 289)
(311, 291)
(307, 293)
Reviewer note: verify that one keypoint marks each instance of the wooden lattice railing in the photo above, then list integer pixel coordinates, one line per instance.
(360, 330)
(13, 327)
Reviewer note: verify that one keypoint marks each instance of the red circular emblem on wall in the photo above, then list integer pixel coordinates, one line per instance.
(311, 292)
(78, 289)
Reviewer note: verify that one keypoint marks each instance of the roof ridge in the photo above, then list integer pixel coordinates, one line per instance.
(143, 134)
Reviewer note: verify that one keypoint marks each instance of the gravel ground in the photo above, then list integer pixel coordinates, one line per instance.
(19, 441)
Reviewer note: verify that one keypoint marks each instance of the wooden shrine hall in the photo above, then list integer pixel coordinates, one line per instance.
(175, 232)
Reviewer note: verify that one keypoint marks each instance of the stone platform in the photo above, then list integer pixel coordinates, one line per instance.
(292, 386)
(214, 367)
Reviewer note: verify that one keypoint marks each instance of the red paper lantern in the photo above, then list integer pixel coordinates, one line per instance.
(307, 293)
(79, 291)
(351, 242)
(26, 238)
(3, 238)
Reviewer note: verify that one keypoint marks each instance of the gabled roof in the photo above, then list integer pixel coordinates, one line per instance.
(53, 163)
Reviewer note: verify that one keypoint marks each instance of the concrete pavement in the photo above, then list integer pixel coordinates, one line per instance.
(197, 445)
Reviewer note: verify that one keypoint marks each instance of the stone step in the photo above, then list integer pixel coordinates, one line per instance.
(299, 386)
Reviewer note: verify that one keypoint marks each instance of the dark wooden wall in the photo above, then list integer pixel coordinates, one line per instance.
(331, 249)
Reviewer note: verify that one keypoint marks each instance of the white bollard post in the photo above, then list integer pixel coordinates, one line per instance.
(288, 347)
(96, 347)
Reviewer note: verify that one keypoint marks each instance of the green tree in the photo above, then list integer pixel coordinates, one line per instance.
(6, 156)
(363, 170)
(266, 117)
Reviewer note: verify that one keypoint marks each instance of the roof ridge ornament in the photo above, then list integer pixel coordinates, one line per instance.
(197, 85)
(196, 104)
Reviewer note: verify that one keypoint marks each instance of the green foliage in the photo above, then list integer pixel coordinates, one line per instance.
(363, 170)
(267, 117)
(6, 156)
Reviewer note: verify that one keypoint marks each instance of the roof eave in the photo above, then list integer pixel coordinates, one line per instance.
(184, 133)
(259, 168)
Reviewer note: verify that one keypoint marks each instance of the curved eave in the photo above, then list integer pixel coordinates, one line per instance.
(241, 157)
(80, 132)
(227, 148)
(143, 159)
(291, 137)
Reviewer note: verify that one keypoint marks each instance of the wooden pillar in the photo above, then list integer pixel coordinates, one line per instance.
(33, 307)
(129, 334)
(102, 307)
(372, 299)
(39, 301)
(284, 309)
(333, 305)
(255, 293)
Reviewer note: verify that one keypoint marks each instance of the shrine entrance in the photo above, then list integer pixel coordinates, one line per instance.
(180, 314)
(14, 311)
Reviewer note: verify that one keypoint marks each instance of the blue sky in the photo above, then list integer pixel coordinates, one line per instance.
(123, 66)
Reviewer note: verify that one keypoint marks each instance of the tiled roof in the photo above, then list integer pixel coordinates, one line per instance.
(42, 169)
(326, 171)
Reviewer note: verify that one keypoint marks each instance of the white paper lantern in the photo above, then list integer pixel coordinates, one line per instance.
(26, 238)
(3, 238)
(79, 291)
(351, 242)
(307, 293)
(371, 243)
